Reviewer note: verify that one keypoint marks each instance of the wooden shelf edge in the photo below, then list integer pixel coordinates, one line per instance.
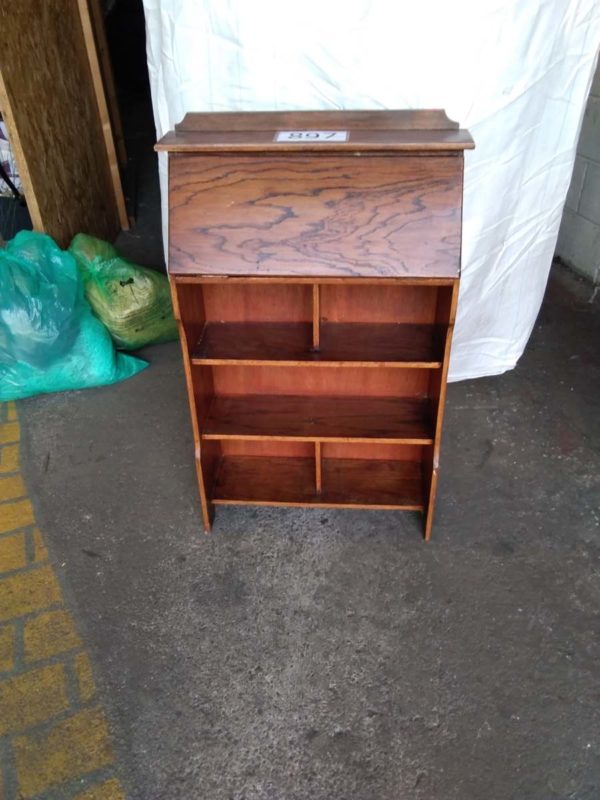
(254, 362)
(240, 437)
(185, 277)
(319, 504)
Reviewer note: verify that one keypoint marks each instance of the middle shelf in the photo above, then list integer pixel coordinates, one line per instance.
(341, 344)
(391, 420)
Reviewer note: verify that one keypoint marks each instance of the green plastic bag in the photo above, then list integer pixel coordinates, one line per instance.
(132, 301)
(49, 339)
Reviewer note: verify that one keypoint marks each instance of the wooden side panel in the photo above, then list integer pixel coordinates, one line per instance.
(189, 312)
(445, 316)
(327, 216)
(51, 109)
(301, 418)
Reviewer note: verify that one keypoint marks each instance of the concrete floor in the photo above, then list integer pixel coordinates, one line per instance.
(319, 654)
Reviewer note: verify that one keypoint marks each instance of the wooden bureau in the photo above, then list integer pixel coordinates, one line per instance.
(314, 261)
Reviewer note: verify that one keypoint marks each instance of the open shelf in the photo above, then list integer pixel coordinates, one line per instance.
(346, 483)
(316, 394)
(404, 420)
(341, 344)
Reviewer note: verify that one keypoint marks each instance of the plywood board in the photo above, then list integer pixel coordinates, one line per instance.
(51, 106)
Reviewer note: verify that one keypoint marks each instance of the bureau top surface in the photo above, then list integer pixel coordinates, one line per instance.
(317, 131)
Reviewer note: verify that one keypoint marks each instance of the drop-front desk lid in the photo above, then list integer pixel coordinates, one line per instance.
(362, 131)
(316, 194)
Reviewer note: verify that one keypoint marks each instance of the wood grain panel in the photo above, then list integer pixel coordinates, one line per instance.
(266, 447)
(278, 215)
(239, 302)
(265, 481)
(389, 484)
(344, 302)
(364, 119)
(345, 484)
(341, 344)
(373, 451)
(426, 130)
(51, 108)
(318, 293)
(340, 381)
(423, 142)
(323, 418)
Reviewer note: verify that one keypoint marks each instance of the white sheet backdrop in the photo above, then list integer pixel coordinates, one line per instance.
(515, 72)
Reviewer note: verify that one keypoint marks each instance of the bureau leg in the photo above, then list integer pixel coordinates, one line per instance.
(429, 509)
(208, 516)
(206, 465)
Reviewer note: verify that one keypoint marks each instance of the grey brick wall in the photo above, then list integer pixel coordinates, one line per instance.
(579, 237)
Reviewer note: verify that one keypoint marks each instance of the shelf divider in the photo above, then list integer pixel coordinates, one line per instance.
(316, 344)
(318, 471)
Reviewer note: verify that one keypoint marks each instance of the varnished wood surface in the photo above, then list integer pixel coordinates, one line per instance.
(282, 280)
(318, 468)
(358, 141)
(340, 344)
(267, 447)
(377, 303)
(297, 215)
(380, 119)
(317, 298)
(265, 302)
(372, 450)
(306, 449)
(345, 483)
(390, 484)
(445, 313)
(327, 419)
(286, 300)
(427, 130)
(189, 316)
(305, 379)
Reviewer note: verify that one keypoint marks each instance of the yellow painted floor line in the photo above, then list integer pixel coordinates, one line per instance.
(54, 738)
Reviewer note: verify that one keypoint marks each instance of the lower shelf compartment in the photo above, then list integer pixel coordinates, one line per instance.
(347, 483)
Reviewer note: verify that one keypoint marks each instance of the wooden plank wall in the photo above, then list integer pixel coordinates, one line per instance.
(53, 113)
